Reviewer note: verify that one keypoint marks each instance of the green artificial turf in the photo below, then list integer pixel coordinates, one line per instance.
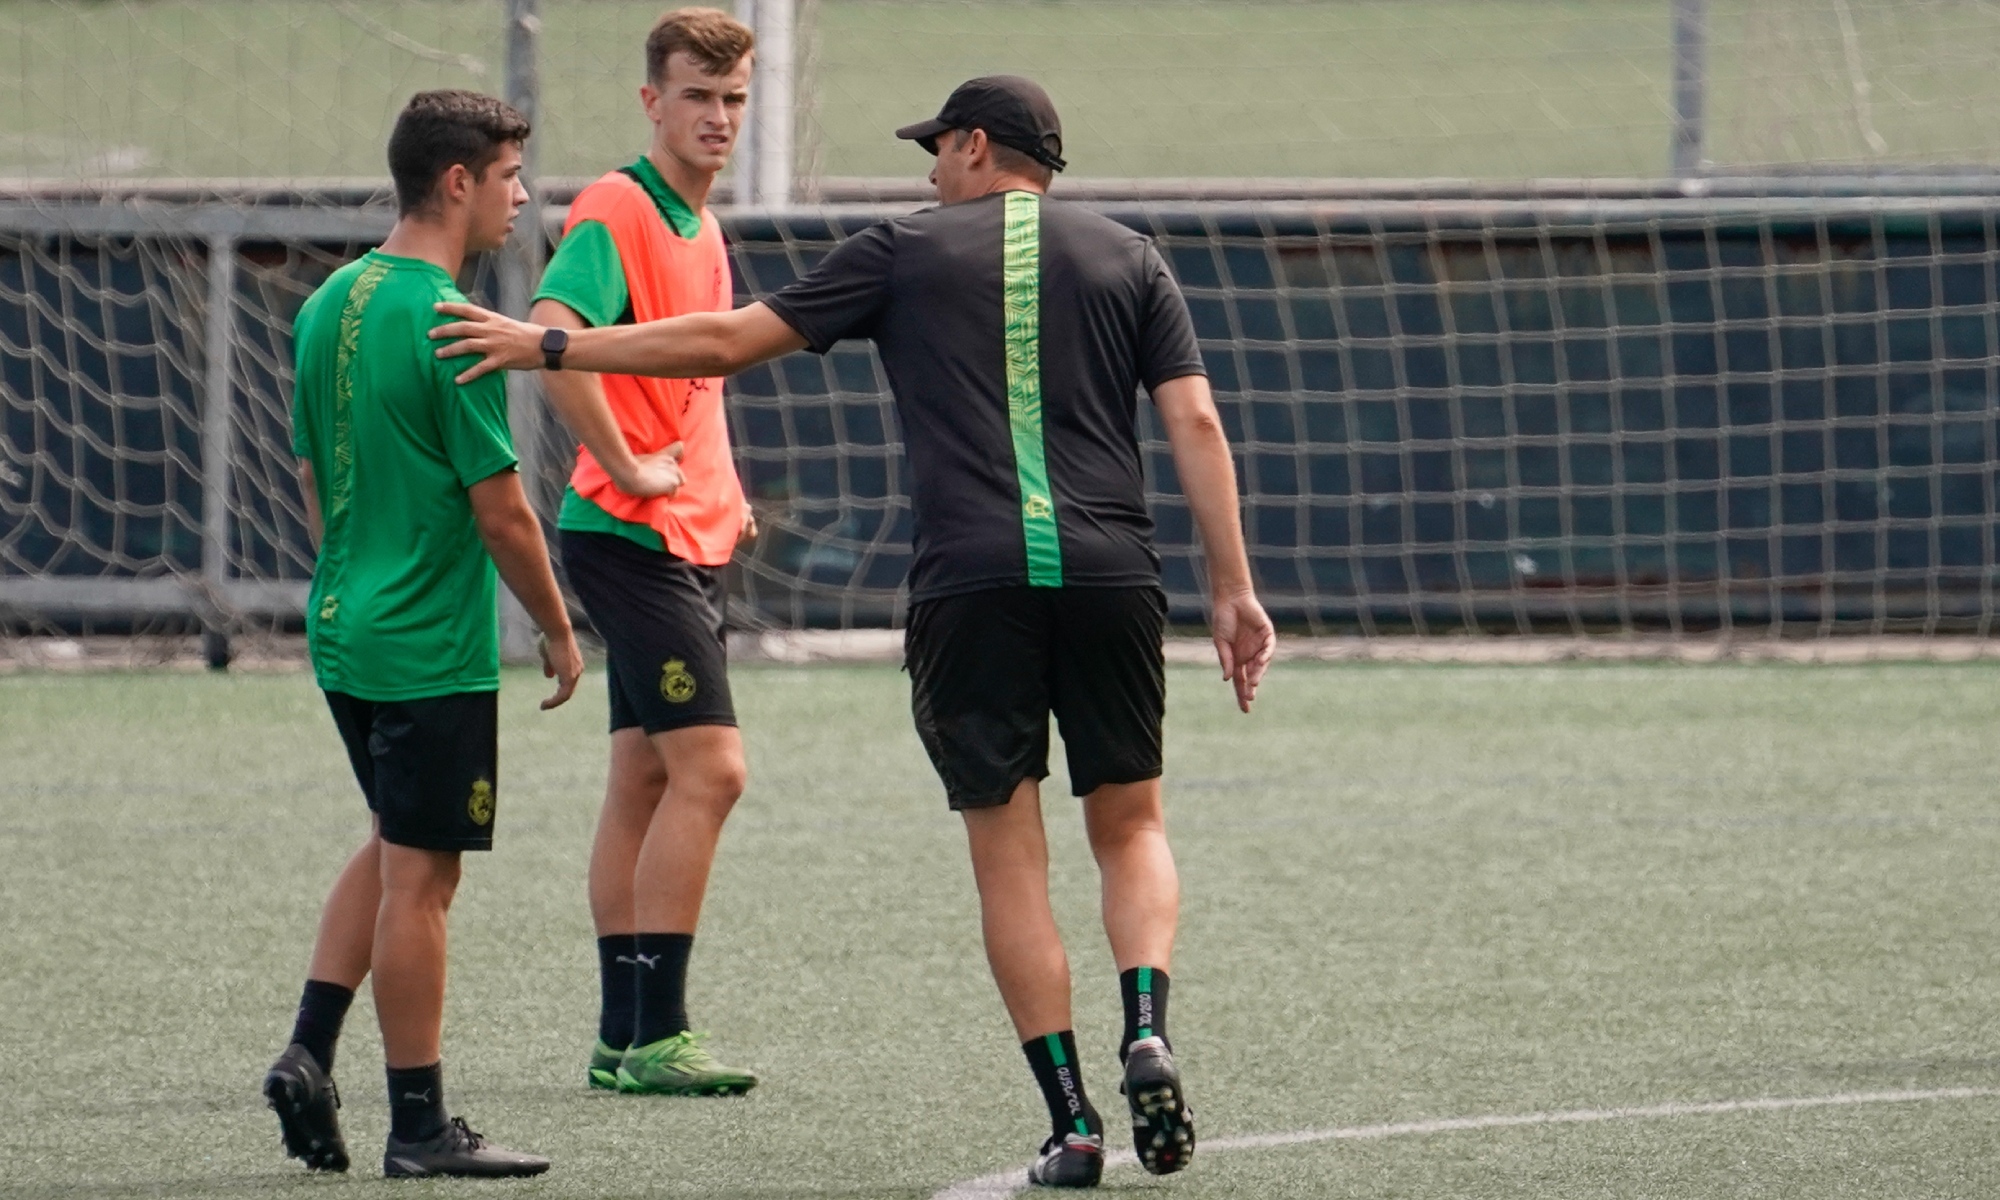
(1508, 89)
(1411, 893)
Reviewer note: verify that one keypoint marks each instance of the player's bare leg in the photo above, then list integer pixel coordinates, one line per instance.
(1010, 866)
(706, 774)
(658, 832)
(1142, 890)
(665, 805)
(632, 794)
(1128, 835)
(346, 941)
(299, 1086)
(417, 890)
(409, 973)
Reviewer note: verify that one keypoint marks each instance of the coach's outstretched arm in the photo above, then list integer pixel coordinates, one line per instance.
(690, 347)
(1244, 639)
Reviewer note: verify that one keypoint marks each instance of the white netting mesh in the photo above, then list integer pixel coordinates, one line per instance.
(1597, 404)
(1641, 414)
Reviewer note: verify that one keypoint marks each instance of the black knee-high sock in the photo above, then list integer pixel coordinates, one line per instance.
(321, 1010)
(416, 1102)
(618, 981)
(1053, 1060)
(1145, 992)
(661, 964)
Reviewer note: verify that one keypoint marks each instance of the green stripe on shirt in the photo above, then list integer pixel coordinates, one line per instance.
(1021, 282)
(340, 489)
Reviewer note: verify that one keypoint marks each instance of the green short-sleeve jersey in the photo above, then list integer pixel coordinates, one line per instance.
(587, 275)
(404, 594)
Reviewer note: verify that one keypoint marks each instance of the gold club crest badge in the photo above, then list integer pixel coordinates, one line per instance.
(479, 806)
(676, 684)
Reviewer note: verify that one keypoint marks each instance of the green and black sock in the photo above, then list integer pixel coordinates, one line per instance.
(661, 995)
(322, 1008)
(618, 983)
(1053, 1060)
(1145, 993)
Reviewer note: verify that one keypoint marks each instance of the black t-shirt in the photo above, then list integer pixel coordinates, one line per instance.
(1016, 332)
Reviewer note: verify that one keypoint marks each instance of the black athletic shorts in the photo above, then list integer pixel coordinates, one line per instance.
(430, 768)
(661, 618)
(987, 668)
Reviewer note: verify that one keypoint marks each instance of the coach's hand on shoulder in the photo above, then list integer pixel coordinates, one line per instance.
(562, 661)
(655, 474)
(1244, 641)
(502, 343)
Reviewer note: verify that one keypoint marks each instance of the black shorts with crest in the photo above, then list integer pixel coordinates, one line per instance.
(430, 768)
(661, 617)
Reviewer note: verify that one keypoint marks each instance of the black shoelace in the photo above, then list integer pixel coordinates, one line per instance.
(473, 1141)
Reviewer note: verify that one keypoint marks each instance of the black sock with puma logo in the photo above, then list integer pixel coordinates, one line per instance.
(416, 1102)
(660, 969)
(618, 984)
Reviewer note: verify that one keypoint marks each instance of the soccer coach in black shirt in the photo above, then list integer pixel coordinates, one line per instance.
(1016, 332)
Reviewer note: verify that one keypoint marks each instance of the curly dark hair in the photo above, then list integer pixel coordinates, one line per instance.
(437, 130)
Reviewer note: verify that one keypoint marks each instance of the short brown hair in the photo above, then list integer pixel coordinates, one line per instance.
(710, 36)
(1008, 159)
(439, 129)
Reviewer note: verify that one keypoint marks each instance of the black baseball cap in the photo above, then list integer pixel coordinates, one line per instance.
(1013, 111)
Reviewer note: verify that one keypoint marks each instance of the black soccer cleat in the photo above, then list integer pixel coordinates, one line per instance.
(1075, 1160)
(457, 1150)
(1162, 1122)
(308, 1106)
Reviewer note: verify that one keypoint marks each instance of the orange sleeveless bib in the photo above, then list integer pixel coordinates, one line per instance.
(667, 276)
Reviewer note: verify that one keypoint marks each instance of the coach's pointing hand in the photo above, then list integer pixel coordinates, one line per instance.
(502, 343)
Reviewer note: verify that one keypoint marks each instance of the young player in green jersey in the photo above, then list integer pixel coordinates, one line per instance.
(411, 492)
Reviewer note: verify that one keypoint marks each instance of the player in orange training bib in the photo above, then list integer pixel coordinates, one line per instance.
(651, 517)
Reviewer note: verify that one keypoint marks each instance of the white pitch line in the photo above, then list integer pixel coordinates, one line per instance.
(1002, 1184)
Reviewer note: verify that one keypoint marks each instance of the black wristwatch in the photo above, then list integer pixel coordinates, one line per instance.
(554, 342)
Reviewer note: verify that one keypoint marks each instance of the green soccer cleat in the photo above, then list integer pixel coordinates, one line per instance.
(678, 1066)
(603, 1072)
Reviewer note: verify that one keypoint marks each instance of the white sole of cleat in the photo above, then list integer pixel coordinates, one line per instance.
(1162, 1124)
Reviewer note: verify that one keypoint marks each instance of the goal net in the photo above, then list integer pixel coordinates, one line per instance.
(1673, 316)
